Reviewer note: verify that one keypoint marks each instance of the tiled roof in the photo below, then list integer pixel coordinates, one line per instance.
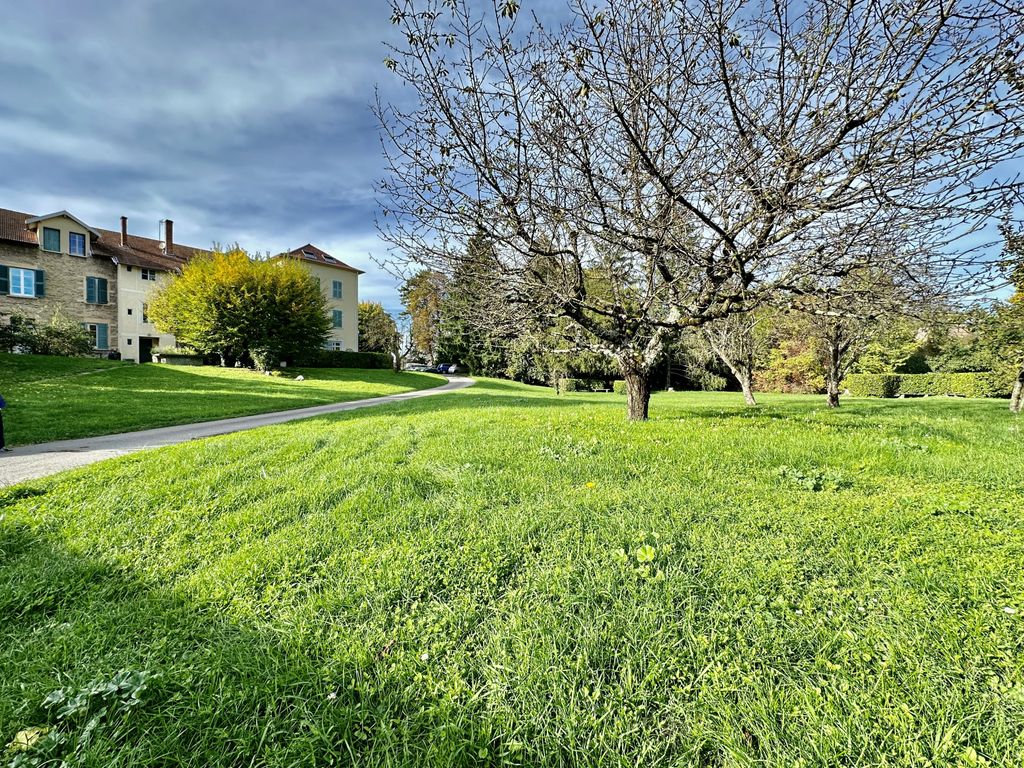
(143, 251)
(13, 228)
(138, 251)
(311, 253)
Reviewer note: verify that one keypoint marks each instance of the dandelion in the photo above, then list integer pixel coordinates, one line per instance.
(591, 484)
(332, 695)
(424, 656)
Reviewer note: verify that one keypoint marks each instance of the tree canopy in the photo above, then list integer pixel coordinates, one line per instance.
(239, 308)
(706, 157)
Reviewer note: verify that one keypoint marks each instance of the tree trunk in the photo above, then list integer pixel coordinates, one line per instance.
(1017, 398)
(638, 394)
(832, 389)
(748, 388)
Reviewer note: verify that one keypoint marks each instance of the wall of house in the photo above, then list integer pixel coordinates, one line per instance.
(64, 285)
(348, 334)
(132, 294)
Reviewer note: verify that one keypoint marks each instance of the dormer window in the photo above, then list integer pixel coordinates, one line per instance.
(51, 239)
(76, 244)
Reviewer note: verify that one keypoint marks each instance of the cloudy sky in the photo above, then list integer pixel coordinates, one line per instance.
(242, 121)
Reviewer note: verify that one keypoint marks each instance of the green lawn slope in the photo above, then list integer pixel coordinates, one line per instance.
(55, 398)
(500, 576)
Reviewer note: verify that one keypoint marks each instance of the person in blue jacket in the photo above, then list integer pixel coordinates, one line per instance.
(3, 404)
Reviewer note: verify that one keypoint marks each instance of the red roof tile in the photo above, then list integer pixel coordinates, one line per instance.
(138, 251)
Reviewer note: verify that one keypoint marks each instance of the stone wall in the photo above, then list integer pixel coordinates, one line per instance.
(65, 287)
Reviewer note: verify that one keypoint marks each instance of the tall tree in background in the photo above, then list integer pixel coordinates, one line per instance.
(1005, 336)
(377, 329)
(422, 294)
(710, 146)
(240, 308)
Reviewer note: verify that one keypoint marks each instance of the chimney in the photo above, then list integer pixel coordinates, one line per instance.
(168, 237)
(124, 231)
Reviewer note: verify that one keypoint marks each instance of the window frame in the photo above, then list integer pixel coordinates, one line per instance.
(71, 239)
(337, 318)
(42, 244)
(106, 290)
(337, 289)
(94, 329)
(21, 272)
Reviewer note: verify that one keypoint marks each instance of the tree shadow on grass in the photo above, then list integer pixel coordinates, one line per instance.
(222, 693)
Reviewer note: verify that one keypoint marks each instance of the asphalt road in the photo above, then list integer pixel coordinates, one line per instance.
(30, 462)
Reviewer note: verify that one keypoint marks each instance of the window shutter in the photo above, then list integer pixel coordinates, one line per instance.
(40, 283)
(5, 279)
(101, 290)
(90, 290)
(101, 336)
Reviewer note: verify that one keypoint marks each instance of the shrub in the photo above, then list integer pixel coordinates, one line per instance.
(567, 384)
(986, 384)
(873, 384)
(61, 336)
(332, 358)
(619, 387)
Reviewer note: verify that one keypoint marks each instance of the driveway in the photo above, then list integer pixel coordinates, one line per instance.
(30, 462)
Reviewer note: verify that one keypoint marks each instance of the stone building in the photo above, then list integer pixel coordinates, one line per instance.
(101, 279)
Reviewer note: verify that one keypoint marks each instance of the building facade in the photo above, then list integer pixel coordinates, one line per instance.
(339, 283)
(102, 279)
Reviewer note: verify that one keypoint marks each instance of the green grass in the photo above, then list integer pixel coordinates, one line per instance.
(504, 577)
(54, 398)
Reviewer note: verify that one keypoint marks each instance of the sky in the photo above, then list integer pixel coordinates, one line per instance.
(243, 122)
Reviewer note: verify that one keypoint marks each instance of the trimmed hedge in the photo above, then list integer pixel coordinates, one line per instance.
(333, 358)
(581, 385)
(921, 384)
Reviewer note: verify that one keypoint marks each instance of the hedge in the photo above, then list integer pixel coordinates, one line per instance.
(333, 358)
(920, 384)
(581, 385)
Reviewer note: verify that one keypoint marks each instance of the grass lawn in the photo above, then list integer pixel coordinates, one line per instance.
(500, 576)
(55, 398)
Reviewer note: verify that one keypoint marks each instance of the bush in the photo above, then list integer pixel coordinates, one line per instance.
(61, 336)
(333, 358)
(873, 384)
(619, 387)
(986, 384)
(581, 385)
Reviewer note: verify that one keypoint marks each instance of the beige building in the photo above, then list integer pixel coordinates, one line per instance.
(340, 285)
(102, 278)
(97, 277)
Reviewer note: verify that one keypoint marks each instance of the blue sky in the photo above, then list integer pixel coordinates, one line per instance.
(242, 121)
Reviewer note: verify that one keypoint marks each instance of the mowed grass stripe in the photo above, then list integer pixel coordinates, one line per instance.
(502, 576)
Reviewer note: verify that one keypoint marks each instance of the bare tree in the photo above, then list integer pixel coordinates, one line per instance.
(652, 165)
(733, 340)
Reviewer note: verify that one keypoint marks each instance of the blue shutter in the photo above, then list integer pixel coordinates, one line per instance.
(90, 290)
(101, 290)
(40, 284)
(5, 279)
(101, 336)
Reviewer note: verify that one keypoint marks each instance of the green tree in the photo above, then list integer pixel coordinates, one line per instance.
(1005, 332)
(377, 329)
(422, 295)
(241, 308)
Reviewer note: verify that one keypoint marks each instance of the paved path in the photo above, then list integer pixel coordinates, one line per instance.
(33, 461)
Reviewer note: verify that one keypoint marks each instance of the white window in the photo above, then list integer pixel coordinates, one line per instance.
(23, 282)
(76, 244)
(148, 274)
(334, 345)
